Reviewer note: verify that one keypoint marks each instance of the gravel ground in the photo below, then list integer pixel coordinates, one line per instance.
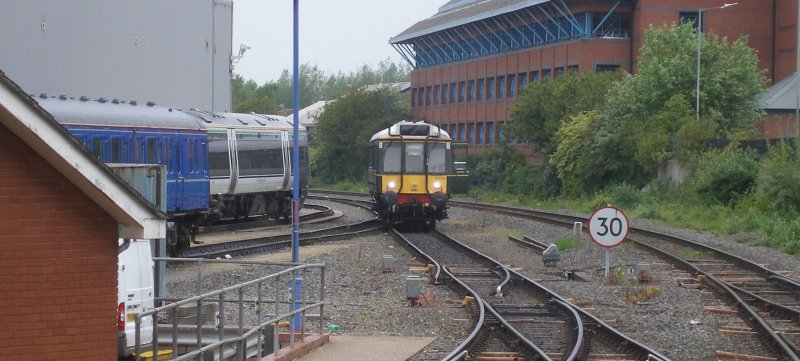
(363, 299)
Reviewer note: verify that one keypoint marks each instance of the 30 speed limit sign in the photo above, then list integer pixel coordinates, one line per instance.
(608, 226)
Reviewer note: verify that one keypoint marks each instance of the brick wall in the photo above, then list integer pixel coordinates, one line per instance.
(58, 261)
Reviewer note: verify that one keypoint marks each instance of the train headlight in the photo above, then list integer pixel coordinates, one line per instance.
(391, 185)
(437, 185)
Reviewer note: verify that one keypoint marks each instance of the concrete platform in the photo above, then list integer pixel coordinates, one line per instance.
(368, 348)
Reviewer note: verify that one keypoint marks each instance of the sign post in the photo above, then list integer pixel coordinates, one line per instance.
(608, 227)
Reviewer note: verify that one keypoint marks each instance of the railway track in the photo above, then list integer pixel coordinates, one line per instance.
(767, 302)
(253, 245)
(544, 325)
(230, 225)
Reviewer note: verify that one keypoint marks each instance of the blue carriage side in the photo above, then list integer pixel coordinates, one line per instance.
(127, 132)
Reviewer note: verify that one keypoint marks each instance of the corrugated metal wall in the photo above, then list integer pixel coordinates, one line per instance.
(175, 52)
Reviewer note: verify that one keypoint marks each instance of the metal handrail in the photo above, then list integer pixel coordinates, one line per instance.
(243, 333)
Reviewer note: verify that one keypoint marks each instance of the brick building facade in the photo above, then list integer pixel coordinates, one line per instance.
(472, 58)
(61, 215)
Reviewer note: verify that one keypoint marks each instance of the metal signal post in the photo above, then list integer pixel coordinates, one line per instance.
(298, 281)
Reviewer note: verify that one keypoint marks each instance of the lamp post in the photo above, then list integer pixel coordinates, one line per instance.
(699, 34)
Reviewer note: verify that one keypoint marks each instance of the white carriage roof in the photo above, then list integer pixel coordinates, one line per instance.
(136, 218)
(243, 120)
(69, 110)
(394, 130)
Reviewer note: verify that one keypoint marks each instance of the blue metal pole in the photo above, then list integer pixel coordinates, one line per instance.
(298, 281)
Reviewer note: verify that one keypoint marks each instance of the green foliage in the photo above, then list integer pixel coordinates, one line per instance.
(779, 180)
(314, 84)
(649, 117)
(490, 169)
(564, 244)
(622, 195)
(262, 105)
(535, 181)
(543, 106)
(724, 175)
(571, 157)
(344, 130)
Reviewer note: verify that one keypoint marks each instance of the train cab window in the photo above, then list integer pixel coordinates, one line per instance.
(116, 150)
(218, 158)
(415, 158)
(97, 147)
(437, 158)
(391, 157)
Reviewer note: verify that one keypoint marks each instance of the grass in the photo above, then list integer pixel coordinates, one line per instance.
(746, 223)
(564, 244)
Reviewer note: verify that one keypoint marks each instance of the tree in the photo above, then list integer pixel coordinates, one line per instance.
(344, 130)
(262, 105)
(543, 106)
(648, 114)
(315, 85)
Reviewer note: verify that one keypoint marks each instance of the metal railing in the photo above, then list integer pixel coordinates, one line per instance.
(245, 315)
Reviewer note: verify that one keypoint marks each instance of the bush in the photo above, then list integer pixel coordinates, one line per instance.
(622, 195)
(534, 181)
(779, 180)
(725, 175)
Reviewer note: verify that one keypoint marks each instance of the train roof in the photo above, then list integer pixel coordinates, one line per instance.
(243, 120)
(412, 130)
(114, 112)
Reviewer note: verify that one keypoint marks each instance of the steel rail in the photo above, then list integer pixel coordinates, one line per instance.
(722, 287)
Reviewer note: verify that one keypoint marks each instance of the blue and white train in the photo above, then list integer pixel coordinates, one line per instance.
(217, 164)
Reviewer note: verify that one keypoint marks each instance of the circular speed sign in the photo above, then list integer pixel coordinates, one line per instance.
(608, 226)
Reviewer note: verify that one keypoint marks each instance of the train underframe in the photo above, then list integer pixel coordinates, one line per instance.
(183, 228)
(412, 210)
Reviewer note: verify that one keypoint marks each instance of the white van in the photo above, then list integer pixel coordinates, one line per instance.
(134, 294)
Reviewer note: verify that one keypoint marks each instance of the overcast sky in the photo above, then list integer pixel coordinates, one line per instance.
(334, 34)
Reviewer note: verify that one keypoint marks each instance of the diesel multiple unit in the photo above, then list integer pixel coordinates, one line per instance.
(410, 164)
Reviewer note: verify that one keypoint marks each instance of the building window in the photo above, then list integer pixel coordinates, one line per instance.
(481, 89)
(534, 76)
(471, 133)
(444, 93)
(436, 93)
(462, 91)
(501, 132)
(461, 132)
(481, 134)
(606, 67)
(512, 85)
(572, 69)
(471, 91)
(490, 131)
(546, 74)
(452, 93)
(490, 88)
(690, 17)
(428, 96)
(420, 96)
(559, 72)
(414, 98)
(501, 87)
(523, 80)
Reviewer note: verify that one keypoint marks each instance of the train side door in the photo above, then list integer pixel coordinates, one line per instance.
(287, 160)
(175, 167)
(234, 160)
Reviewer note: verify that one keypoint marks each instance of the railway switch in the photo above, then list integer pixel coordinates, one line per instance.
(551, 256)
